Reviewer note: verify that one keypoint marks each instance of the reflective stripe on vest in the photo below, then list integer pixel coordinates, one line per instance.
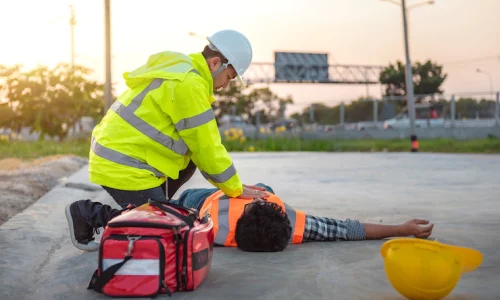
(220, 237)
(292, 216)
(121, 158)
(134, 266)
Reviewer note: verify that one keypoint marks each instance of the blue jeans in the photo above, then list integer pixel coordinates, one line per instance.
(194, 198)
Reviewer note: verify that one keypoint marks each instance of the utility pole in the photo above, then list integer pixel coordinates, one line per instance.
(409, 81)
(72, 23)
(409, 75)
(108, 95)
(282, 112)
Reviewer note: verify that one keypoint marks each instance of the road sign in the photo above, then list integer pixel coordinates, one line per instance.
(301, 67)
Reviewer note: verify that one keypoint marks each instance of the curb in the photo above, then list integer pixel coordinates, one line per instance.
(31, 241)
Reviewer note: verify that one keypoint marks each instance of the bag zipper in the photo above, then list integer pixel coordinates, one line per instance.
(144, 225)
(177, 241)
(184, 259)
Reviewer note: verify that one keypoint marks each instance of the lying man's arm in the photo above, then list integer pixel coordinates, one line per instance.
(327, 229)
(410, 228)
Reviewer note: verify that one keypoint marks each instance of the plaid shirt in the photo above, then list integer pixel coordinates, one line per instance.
(326, 229)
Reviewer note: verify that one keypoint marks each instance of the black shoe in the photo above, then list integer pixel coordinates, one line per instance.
(80, 232)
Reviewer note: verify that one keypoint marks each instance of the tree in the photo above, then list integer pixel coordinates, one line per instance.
(323, 114)
(247, 102)
(50, 101)
(427, 79)
(7, 115)
(356, 111)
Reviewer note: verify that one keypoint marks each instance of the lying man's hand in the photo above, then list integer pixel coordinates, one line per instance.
(413, 228)
(410, 228)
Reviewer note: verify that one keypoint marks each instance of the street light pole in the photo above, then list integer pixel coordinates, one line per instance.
(420, 4)
(409, 81)
(409, 75)
(108, 94)
(72, 23)
(491, 79)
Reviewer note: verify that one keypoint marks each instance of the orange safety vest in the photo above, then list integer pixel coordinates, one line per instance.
(225, 212)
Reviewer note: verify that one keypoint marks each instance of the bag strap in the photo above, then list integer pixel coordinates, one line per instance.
(189, 220)
(98, 282)
(191, 211)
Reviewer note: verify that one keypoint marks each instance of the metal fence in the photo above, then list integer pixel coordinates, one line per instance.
(455, 110)
(459, 116)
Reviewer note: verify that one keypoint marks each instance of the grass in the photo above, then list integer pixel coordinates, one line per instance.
(438, 145)
(32, 150)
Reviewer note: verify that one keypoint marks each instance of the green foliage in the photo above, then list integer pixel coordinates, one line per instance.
(38, 149)
(427, 78)
(361, 110)
(31, 150)
(247, 102)
(469, 108)
(489, 145)
(49, 101)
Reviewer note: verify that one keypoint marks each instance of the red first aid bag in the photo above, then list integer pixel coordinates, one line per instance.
(154, 248)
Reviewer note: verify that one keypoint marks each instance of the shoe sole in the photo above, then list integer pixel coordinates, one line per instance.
(90, 247)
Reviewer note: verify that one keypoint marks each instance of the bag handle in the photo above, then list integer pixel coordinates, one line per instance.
(97, 283)
(191, 211)
(189, 220)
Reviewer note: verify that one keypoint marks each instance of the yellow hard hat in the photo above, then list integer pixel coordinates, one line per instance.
(422, 269)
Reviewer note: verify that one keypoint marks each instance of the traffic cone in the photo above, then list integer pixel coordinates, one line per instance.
(414, 143)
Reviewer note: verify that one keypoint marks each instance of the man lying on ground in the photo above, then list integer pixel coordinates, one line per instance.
(254, 225)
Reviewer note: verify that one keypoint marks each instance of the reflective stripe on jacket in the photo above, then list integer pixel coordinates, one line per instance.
(158, 125)
(225, 212)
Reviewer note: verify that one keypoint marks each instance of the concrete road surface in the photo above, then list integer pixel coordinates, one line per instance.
(459, 193)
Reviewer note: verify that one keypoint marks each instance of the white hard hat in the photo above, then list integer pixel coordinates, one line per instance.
(235, 47)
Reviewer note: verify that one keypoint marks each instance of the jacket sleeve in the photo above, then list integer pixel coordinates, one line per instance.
(195, 122)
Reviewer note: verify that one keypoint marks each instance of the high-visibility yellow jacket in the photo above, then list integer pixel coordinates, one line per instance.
(158, 125)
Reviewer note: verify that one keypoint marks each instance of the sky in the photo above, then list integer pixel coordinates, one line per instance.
(463, 35)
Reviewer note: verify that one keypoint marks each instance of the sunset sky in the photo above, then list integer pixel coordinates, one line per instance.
(350, 31)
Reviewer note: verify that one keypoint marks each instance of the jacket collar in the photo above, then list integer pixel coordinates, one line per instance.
(200, 64)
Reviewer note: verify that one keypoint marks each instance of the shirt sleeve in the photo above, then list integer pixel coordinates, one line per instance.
(194, 198)
(327, 229)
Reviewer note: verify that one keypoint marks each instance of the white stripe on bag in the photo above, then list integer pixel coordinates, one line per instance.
(134, 266)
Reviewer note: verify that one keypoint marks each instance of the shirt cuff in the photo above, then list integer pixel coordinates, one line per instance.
(355, 231)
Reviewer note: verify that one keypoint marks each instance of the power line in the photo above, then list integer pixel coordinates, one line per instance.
(473, 59)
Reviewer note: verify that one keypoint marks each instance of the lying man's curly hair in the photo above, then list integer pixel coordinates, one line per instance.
(263, 228)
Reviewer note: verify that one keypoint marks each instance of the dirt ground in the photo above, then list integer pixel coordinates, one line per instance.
(23, 182)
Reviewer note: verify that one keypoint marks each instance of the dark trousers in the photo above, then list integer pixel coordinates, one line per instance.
(161, 193)
(98, 215)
